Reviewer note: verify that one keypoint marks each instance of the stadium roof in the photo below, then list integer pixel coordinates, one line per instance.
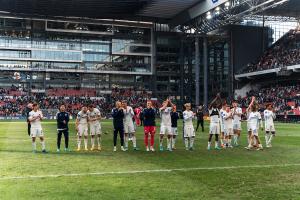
(291, 8)
(147, 10)
(192, 13)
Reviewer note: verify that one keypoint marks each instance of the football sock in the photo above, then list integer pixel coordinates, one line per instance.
(168, 143)
(270, 139)
(186, 142)
(126, 141)
(85, 142)
(192, 139)
(173, 142)
(152, 140)
(209, 144)
(34, 146)
(160, 142)
(235, 137)
(78, 143)
(99, 141)
(43, 145)
(134, 141)
(267, 138)
(93, 141)
(146, 139)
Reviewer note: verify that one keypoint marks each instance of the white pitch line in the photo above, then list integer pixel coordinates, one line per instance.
(145, 171)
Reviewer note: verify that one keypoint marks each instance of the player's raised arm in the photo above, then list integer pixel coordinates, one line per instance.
(164, 105)
(214, 101)
(251, 103)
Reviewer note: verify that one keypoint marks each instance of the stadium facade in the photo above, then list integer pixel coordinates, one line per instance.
(103, 54)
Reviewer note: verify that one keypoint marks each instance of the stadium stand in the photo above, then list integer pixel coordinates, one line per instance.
(13, 101)
(284, 97)
(285, 52)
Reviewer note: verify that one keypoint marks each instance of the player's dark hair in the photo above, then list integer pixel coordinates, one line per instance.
(34, 104)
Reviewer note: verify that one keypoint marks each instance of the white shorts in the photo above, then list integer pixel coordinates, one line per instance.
(214, 128)
(174, 130)
(222, 127)
(129, 128)
(228, 131)
(165, 130)
(189, 131)
(82, 130)
(248, 127)
(270, 127)
(237, 126)
(95, 129)
(36, 132)
(253, 129)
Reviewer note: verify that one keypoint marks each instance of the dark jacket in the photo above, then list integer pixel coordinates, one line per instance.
(149, 117)
(60, 118)
(174, 119)
(118, 115)
(199, 115)
(28, 110)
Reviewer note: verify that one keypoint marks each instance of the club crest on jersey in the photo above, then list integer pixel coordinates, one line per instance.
(214, 1)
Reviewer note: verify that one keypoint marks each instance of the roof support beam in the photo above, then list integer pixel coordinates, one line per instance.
(195, 11)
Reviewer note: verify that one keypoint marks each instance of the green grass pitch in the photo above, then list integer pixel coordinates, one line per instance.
(227, 174)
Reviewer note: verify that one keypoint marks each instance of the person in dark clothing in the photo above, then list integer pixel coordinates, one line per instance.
(200, 121)
(118, 116)
(141, 119)
(62, 118)
(174, 119)
(149, 125)
(28, 110)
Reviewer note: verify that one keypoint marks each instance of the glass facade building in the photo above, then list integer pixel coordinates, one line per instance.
(56, 54)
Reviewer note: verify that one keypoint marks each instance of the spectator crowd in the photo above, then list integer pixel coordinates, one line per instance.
(285, 52)
(14, 104)
(285, 98)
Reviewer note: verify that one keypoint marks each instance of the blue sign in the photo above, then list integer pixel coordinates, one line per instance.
(214, 1)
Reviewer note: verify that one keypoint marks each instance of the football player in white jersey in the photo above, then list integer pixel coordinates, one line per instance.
(228, 126)
(237, 125)
(214, 125)
(165, 125)
(269, 117)
(94, 116)
(222, 113)
(254, 119)
(35, 117)
(188, 129)
(128, 125)
(81, 126)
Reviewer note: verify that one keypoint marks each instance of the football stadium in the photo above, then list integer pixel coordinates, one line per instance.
(149, 99)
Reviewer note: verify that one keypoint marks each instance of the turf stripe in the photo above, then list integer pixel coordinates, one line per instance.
(146, 171)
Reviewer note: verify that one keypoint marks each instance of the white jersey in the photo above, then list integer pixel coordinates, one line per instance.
(128, 115)
(214, 115)
(165, 116)
(188, 117)
(253, 119)
(35, 124)
(269, 116)
(93, 114)
(227, 119)
(222, 113)
(82, 118)
(236, 112)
